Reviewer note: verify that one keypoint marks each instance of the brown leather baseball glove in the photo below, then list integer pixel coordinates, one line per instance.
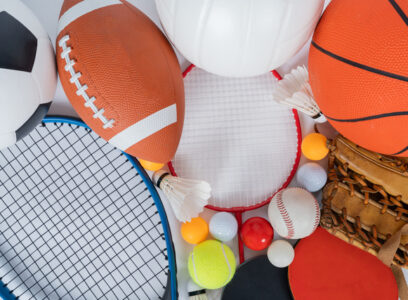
(365, 202)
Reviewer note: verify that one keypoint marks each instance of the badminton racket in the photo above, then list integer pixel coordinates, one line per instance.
(80, 219)
(238, 139)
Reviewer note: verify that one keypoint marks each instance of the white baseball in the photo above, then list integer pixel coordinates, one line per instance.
(281, 253)
(294, 213)
(311, 176)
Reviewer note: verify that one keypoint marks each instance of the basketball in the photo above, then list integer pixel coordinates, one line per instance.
(358, 65)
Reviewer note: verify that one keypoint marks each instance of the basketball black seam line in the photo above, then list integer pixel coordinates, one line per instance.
(368, 69)
(405, 19)
(368, 118)
(399, 11)
(402, 151)
(358, 65)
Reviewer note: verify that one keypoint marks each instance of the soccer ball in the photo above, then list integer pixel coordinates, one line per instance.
(28, 76)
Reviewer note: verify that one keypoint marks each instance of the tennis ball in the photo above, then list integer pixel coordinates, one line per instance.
(195, 231)
(314, 146)
(211, 264)
(151, 166)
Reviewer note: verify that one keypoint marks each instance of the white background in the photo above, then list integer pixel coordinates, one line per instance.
(48, 12)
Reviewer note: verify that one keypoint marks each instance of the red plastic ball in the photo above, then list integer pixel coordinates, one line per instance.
(256, 233)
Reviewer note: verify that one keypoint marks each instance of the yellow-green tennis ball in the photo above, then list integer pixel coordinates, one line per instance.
(211, 264)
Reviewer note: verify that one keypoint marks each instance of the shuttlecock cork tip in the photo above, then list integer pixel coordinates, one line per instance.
(158, 177)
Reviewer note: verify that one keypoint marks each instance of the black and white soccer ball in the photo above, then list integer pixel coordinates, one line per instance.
(28, 76)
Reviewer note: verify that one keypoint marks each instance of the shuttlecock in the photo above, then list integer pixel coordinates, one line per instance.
(187, 197)
(196, 292)
(295, 91)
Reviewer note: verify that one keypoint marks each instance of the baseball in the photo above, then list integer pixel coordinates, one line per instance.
(311, 176)
(281, 253)
(294, 213)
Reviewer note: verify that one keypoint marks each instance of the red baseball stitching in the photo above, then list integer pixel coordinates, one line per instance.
(317, 218)
(285, 216)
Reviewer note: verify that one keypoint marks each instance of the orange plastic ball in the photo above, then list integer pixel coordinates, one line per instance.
(314, 146)
(195, 231)
(151, 166)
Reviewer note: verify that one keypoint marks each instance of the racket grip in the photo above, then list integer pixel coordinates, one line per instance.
(238, 216)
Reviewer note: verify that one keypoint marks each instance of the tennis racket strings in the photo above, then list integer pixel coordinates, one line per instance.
(77, 220)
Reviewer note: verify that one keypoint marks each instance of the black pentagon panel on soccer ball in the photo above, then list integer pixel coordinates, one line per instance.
(18, 46)
(33, 121)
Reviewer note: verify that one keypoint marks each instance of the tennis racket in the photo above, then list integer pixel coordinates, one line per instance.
(80, 219)
(237, 138)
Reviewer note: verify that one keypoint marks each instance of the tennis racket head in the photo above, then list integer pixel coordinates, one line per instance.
(237, 138)
(80, 219)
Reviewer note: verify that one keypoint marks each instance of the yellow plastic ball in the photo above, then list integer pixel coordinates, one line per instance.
(151, 166)
(314, 146)
(195, 231)
(211, 264)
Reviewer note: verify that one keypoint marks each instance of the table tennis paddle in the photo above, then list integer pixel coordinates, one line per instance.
(257, 278)
(326, 267)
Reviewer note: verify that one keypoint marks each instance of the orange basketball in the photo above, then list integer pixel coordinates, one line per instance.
(358, 66)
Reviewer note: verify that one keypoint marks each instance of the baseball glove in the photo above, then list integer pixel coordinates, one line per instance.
(365, 201)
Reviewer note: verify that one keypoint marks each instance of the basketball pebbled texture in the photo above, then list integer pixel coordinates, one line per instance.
(358, 66)
(121, 76)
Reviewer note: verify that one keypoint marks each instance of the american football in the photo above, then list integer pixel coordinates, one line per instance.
(122, 76)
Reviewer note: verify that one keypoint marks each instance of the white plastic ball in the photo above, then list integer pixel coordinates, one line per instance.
(294, 213)
(28, 76)
(223, 226)
(239, 38)
(311, 176)
(281, 253)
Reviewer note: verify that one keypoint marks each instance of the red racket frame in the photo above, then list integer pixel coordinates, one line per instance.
(238, 211)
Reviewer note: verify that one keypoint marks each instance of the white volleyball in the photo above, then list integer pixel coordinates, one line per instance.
(239, 38)
(28, 76)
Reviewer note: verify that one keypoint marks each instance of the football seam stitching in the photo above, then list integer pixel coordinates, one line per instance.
(285, 216)
(81, 89)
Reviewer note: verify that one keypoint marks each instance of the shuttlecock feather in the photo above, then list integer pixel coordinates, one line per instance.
(295, 91)
(187, 197)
